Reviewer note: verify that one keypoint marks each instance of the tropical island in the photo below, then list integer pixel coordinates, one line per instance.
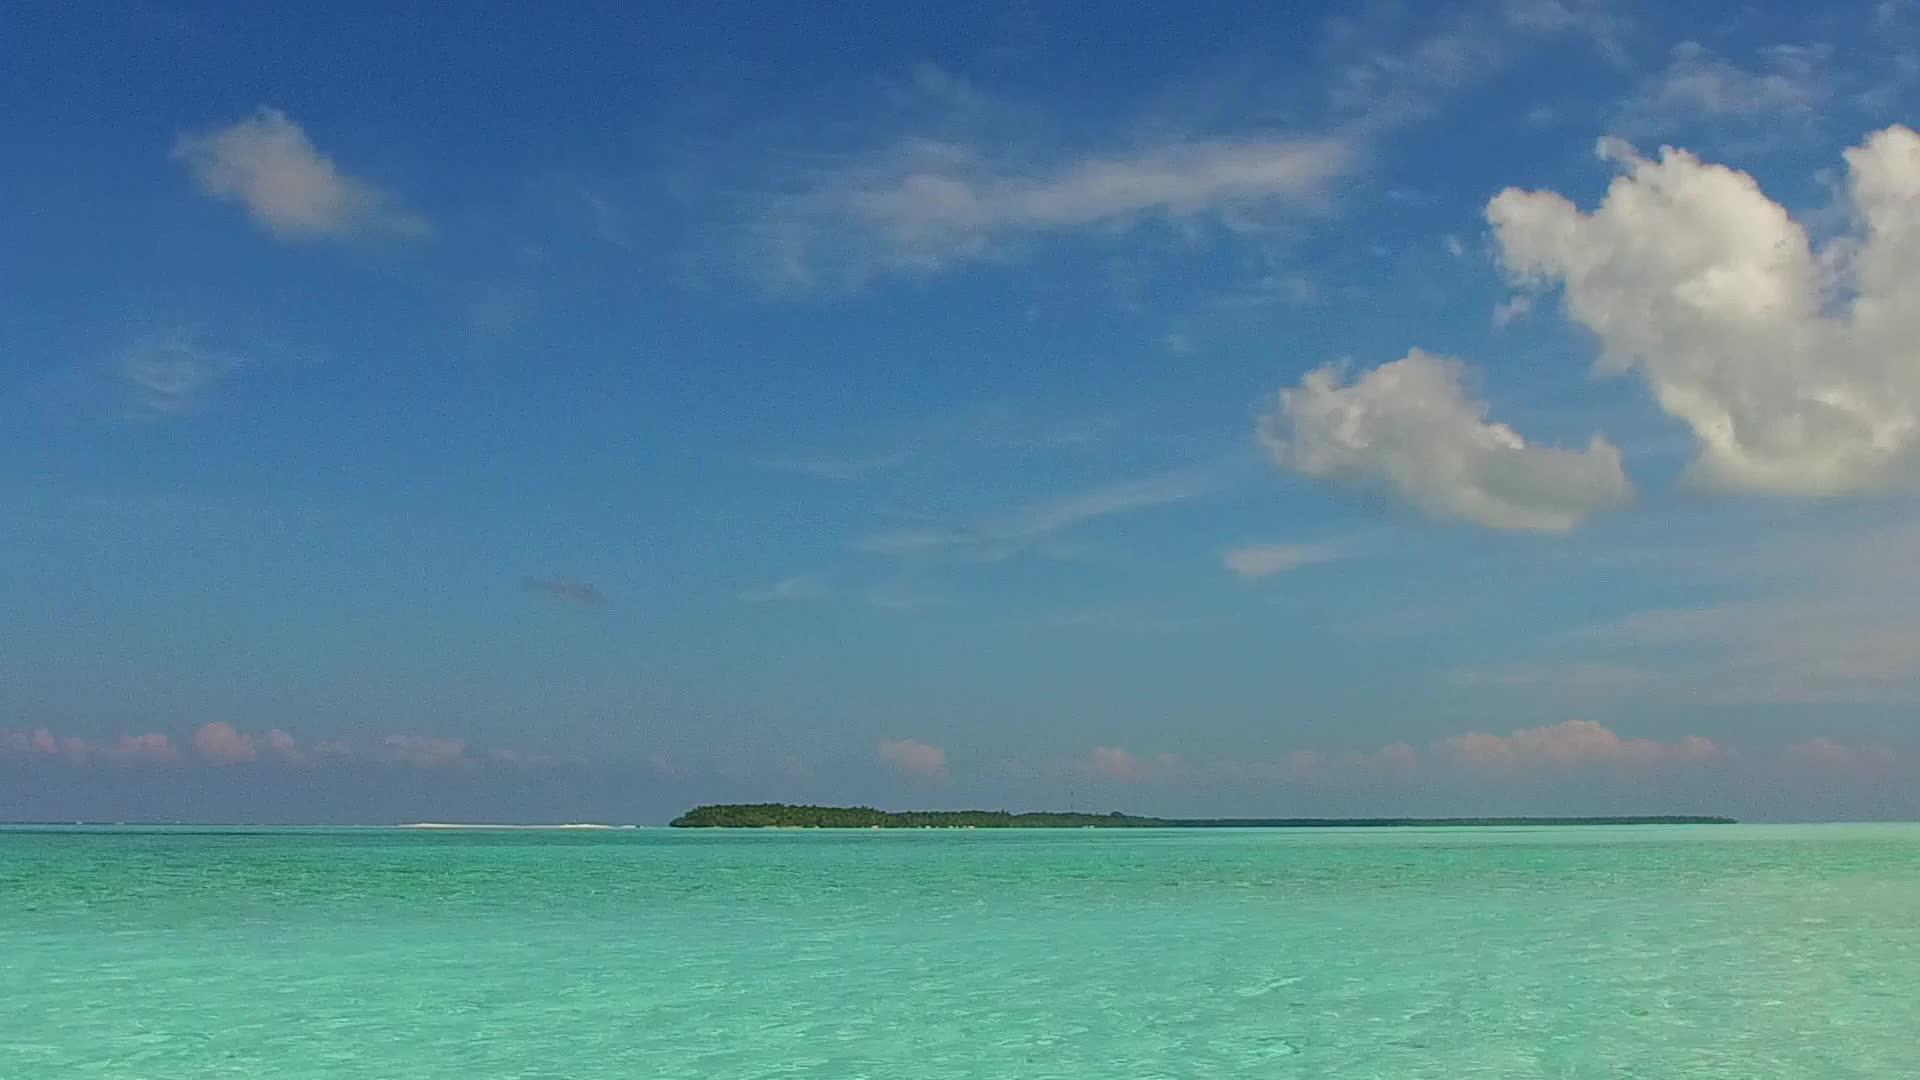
(787, 816)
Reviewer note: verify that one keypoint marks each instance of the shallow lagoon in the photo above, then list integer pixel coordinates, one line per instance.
(1709, 951)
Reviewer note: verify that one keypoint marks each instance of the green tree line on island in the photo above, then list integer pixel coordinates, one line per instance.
(785, 815)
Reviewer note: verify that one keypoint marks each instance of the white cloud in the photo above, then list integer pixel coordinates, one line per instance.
(1265, 560)
(912, 755)
(1409, 428)
(1798, 369)
(923, 205)
(267, 164)
(1510, 310)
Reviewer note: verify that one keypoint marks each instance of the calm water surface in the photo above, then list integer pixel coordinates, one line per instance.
(1652, 952)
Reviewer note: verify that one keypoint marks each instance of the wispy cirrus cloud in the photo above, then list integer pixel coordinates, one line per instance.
(921, 205)
(797, 587)
(1032, 527)
(842, 468)
(1117, 620)
(1583, 676)
(996, 428)
(584, 593)
(168, 376)
(968, 179)
(1388, 70)
(1787, 85)
(963, 185)
(1266, 560)
(267, 164)
(893, 598)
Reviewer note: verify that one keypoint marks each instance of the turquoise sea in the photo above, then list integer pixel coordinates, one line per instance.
(1650, 952)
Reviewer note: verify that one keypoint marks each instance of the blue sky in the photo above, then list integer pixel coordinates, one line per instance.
(1221, 409)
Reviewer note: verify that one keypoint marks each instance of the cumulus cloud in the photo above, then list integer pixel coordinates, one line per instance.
(221, 744)
(925, 204)
(282, 745)
(124, 750)
(149, 749)
(1265, 560)
(912, 755)
(267, 164)
(1572, 744)
(1410, 429)
(1796, 368)
(584, 593)
(42, 743)
(1122, 766)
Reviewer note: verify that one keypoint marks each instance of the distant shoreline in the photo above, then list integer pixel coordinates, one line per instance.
(587, 826)
(785, 816)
